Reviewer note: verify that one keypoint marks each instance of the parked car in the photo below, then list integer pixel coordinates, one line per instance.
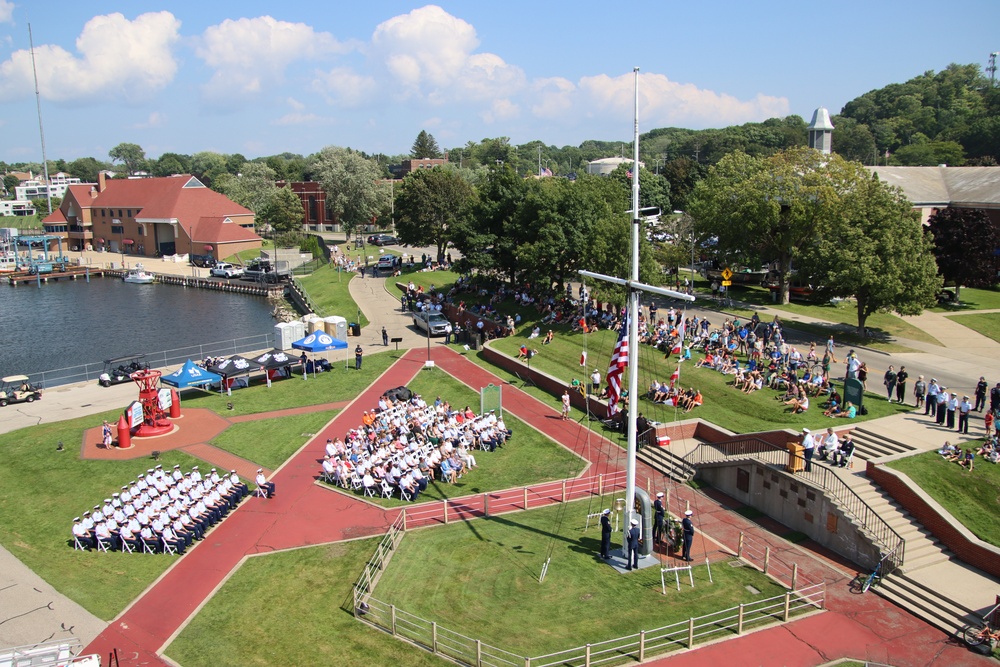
(204, 261)
(388, 263)
(226, 270)
(384, 239)
(435, 323)
(18, 389)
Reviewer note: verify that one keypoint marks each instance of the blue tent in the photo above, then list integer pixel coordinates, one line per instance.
(318, 341)
(190, 375)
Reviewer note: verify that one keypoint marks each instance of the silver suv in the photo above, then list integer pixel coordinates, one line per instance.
(436, 323)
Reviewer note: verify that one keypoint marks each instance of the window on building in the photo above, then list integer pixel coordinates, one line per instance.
(117, 229)
(142, 230)
(312, 207)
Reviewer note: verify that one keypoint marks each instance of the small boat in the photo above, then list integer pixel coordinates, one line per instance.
(139, 276)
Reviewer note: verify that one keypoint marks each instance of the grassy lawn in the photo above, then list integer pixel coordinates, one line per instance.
(292, 608)
(973, 299)
(437, 279)
(971, 497)
(21, 221)
(987, 324)
(42, 490)
(731, 409)
(328, 291)
(245, 256)
(480, 578)
(337, 385)
(269, 442)
(528, 458)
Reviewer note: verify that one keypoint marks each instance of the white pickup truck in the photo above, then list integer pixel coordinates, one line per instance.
(435, 323)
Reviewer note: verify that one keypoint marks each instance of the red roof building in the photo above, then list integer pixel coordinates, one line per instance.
(152, 217)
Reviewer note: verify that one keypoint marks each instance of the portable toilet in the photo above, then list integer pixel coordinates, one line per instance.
(339, 325)
(312, 322)
(284, 333)
(298, 328)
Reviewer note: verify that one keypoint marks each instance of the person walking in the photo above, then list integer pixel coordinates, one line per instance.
(981, 388)
(808, 448)
(901, 377)
(632, 540)
(829, 349)
(358, 353)
(687, 532)
(385, 338)
(659, 514)
(606, 534)
(964, 408)
(889, 380)
(565, 404)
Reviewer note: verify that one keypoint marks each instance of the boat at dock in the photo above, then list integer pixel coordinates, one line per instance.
(139, 276)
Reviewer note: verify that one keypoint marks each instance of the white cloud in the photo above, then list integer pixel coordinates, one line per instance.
(249, 54)
(553, 97)
(128, 60)
(344, 87)
(663, 102)
(156, 119)
(295, 104)
(430, 54)
(6, 11)
(299, 118)
(502, 109)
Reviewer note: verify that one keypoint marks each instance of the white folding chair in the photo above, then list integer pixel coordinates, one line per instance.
(103, 545)
(146, 548)
(370, 490)
(404, 494)
(327, 477)
(77, 544)
(356, 482)
(168, 548)
(260, 492)
(127, 548)
(386, 490)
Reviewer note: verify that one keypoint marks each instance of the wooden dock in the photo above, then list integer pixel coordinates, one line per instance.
(71, 273)
(80, 272)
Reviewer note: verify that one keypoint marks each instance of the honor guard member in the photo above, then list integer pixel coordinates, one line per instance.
(264, 484)
(82, 535)
(687, 529)
(658, 516)
(606, 534)
(632, 555)
(238, 484)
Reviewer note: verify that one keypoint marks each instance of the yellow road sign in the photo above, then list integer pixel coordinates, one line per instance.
(727, 273)
(727, 283)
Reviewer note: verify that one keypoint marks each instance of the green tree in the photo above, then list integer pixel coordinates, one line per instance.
(875, 251)
(132, 157)
(654, 191)
(283, 213)
(964, 241)
(425, 146)
(86, 169)
(356, 193)
(429, 204)
(169, 164)
(208, 166)
(10, 181)
(253, 187)
(41, 206)
(765, 210)
(929, 154)
(487, 239)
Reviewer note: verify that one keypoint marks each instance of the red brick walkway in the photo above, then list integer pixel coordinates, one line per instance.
(865, 627)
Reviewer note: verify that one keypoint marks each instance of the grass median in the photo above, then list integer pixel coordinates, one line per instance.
(269, 442)
(327, 289)
(528, 458)
(971, 497)
(481, 578)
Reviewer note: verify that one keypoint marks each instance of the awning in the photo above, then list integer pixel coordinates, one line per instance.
(208, 248)
(100, 240)
(128, 241)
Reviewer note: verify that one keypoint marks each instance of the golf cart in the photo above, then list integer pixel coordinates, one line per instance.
(117, 371)
(17, 389)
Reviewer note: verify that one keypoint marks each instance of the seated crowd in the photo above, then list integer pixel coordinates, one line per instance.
(402, 445)
(989, 450)
(159, 512)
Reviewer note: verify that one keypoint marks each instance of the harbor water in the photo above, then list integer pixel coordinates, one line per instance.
(71, 323)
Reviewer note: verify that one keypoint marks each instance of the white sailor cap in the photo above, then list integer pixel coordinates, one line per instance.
(634, 522)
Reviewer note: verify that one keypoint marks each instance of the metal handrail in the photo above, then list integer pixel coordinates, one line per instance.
(882, 533)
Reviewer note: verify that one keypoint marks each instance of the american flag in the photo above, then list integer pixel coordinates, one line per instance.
(619, 360)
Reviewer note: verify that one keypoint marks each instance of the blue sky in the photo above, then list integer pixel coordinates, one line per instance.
(260, 78)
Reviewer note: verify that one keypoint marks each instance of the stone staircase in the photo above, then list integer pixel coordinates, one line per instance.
(664, 461)
(869, 445)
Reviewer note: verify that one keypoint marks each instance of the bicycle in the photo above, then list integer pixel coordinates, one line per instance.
(979, 633)
(863, 582)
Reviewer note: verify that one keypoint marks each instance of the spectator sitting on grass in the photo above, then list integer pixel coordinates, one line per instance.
(536, 332)
(755, 383)
(798, 405)
(967, 460)
(948, 450)
(849, 411)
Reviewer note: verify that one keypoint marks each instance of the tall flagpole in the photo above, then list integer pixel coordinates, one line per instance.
(41, 132)
(633, 328)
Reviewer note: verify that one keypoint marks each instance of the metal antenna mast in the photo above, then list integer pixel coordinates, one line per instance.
(992, 67)
(41, 132)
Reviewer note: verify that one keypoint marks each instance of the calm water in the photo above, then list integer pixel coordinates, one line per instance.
(68, 323)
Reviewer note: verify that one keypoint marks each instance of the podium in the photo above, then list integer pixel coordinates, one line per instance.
(796, 462)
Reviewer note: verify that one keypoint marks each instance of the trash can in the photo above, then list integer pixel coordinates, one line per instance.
(355, 328)
(474, 343)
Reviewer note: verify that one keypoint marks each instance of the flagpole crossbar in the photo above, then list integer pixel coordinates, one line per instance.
(634, 285)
